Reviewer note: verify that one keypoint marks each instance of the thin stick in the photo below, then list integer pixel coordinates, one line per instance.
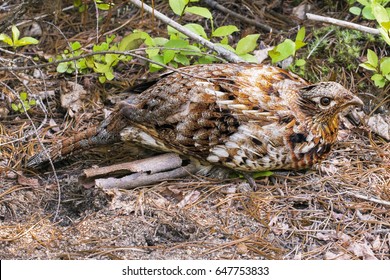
(372, 199)
(343, 23)
(151, 165)
(228, 55)
(215, 5)
(143, 179)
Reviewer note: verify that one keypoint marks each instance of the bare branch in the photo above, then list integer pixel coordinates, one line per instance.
(343, 23)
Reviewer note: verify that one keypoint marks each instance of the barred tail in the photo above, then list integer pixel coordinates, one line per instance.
(107, 133)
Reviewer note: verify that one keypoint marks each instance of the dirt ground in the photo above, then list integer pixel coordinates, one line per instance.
(337, 210)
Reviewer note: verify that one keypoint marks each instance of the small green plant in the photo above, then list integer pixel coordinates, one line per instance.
(175, 51)
(368, 8)
(376, 10)
(102, 64)
(288, 48)
(15, 42)
(381, 68)
(179, 50)
(81, 6)
(25, 103)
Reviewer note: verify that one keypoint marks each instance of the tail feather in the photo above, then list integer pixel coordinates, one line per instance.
(107, 133)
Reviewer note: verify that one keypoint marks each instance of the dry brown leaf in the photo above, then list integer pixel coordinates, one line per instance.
(380, 124)
(362, 250)
(189, 198)
(25, 181)
(72, 96)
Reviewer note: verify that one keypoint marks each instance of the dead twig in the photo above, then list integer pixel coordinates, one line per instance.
(151, 165)
(215, 5)
(143, 179)
(343, 23)
(144, 172)
(372, 199)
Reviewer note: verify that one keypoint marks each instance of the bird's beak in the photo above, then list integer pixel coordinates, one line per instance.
(354, 101)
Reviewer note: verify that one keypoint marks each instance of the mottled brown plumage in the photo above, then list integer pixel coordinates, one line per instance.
(242, 116)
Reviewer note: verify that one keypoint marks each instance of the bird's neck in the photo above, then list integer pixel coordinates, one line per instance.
(327, 129)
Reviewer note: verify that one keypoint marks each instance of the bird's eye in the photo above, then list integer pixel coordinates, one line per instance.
(325, 101)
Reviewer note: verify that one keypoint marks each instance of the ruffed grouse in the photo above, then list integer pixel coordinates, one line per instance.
(242, 116)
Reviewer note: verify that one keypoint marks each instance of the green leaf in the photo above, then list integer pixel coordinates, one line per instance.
(168, 55)
(206, 59)
(6, 39)
(109, 75)
(282, 51)
(154, 67)
(300, 35)
(132, 41)
(101, 67)
(367, 13)
(152, 52)
(32, 102)
(299, 39)
(14, 107)
(225, 41)
(75, 46)
(160, 41)
(224, 31)
(191, 50)
(299, 44)
(259, 174)
(25, 41)
(386, 25)
(197, 29)
(379, 80)
(364, 2)
(200, 11)
(249, 58)
(111, 59)
(102, 79)
(385, 35)
(380, 13)
(173, 32)
(15, 33)
(300, 62)
(228, 47)
(23, 95)
(77, 3)
(377, 77)
(355, 11)
(177, 44)
(178, 6)
(385, 66)
(247, 44)
(81, 64)
(368, 66)
(372, 58)
(103, 6)
(182, 59)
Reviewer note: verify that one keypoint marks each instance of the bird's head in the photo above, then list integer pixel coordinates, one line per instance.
(324, 101)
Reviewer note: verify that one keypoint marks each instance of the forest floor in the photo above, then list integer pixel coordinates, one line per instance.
(337, 210)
